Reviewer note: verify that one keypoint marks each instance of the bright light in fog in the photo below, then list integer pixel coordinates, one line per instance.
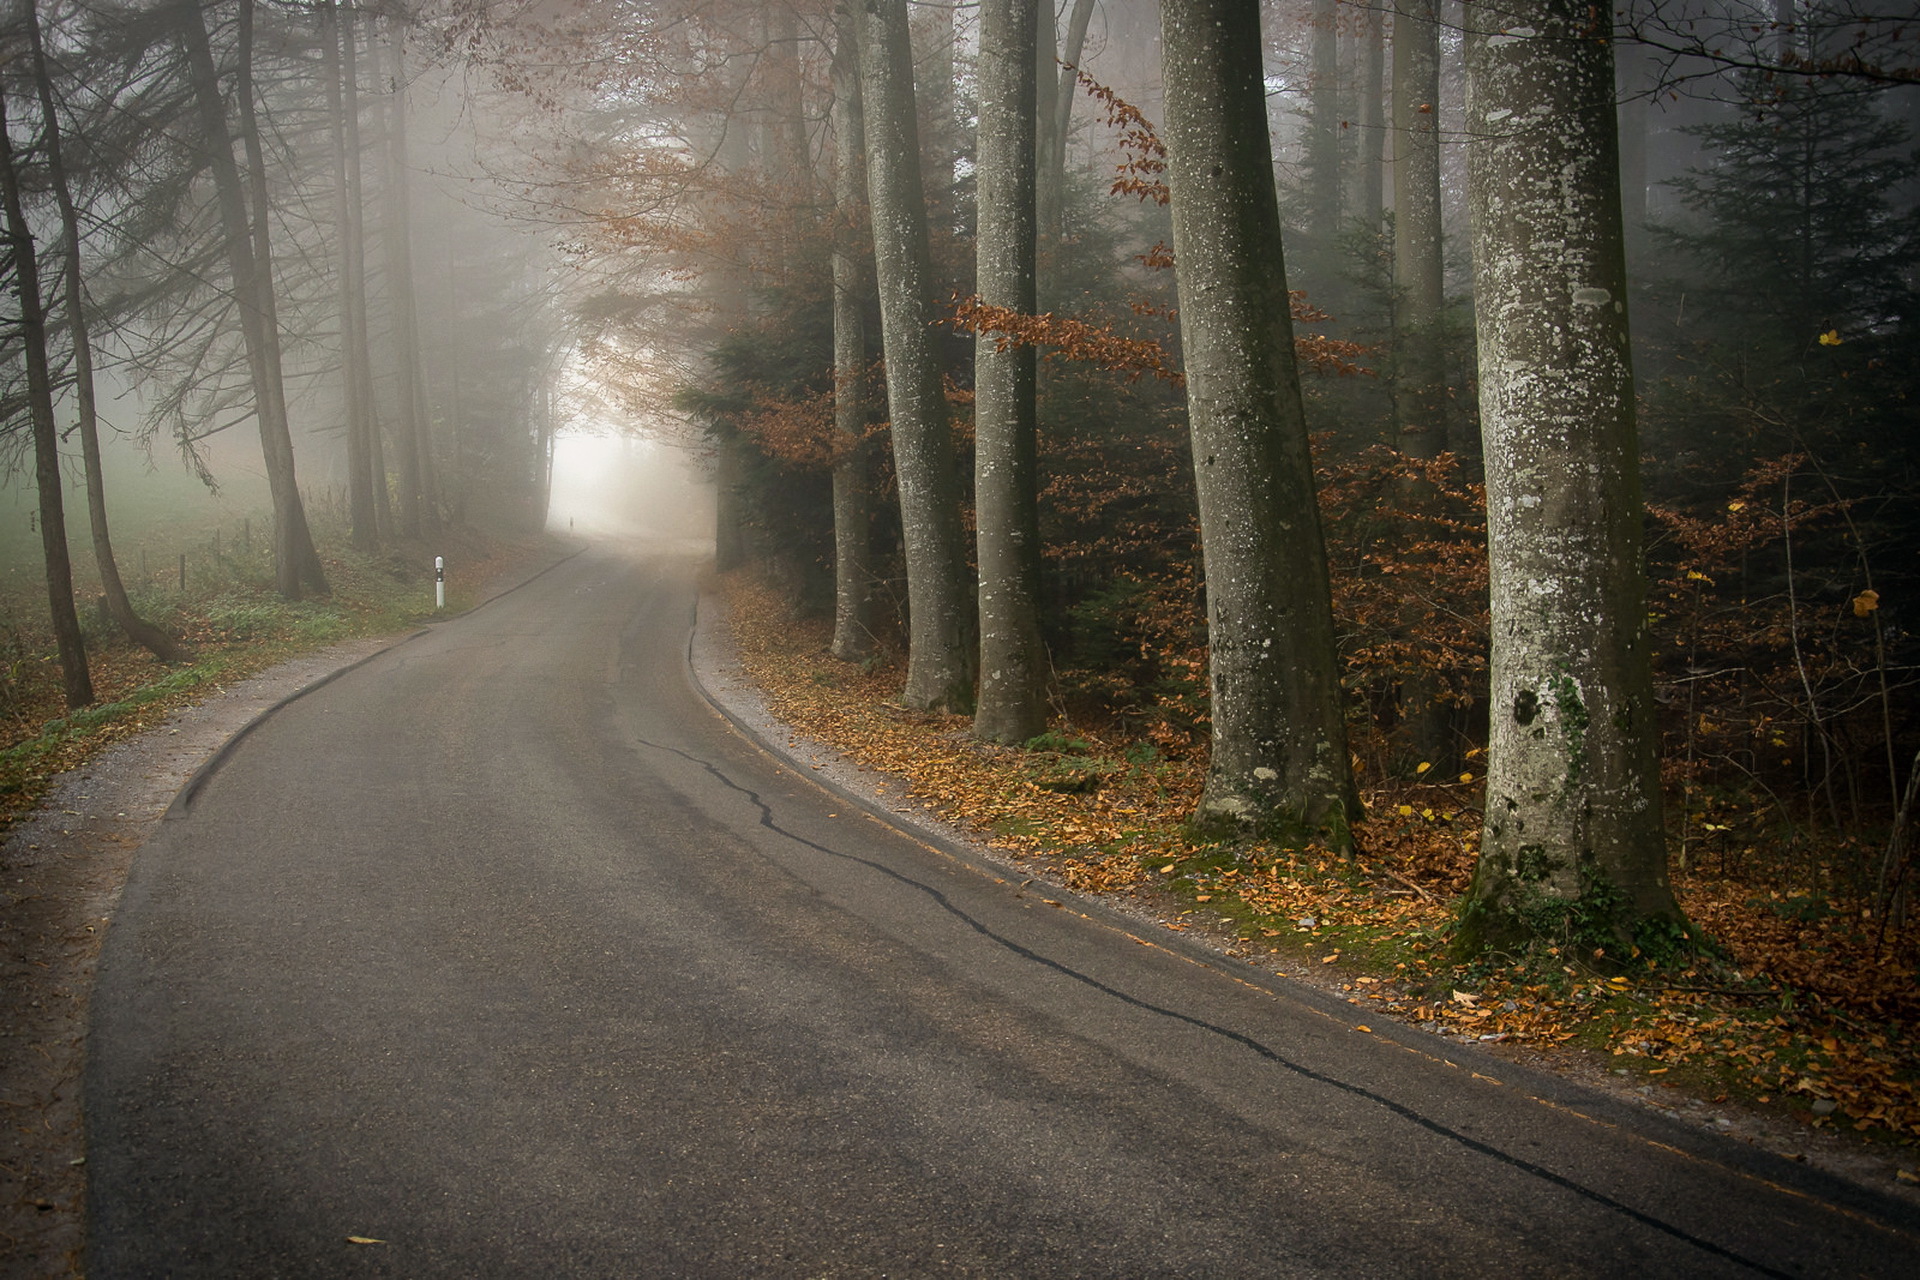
(624, 486)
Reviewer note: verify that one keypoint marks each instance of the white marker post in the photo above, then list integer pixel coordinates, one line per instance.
(439, 582)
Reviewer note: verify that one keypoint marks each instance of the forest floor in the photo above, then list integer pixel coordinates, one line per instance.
(1801, 1035)
(79, 793)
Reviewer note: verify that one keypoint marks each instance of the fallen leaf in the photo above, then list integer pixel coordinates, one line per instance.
(363, 1240)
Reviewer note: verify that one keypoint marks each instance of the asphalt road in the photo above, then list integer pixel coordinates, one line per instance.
(507, 951)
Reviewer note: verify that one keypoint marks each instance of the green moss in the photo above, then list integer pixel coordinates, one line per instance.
(1573, 721)
(1597, 928)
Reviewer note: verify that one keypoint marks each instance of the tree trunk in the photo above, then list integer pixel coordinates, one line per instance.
(1631, 92)
(1572, 849)
(360, 354)
(411, 446)
(1279, 759)
(1419, 292)
(342, 98)
(852, 286)
(1373, 133)
(1323, 125)
(940, 631)
(1013, 659)
(138, 629)
(1055, 108)
(259, 210)
(296, 566)
(74, 675)
(1419, 278)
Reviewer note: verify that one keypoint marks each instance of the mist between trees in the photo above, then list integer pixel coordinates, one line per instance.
(1341, 394)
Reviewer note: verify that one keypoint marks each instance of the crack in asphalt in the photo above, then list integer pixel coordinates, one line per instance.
(1264, 1051)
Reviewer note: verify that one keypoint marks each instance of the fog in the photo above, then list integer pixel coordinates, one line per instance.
(156, 503)
(608, 484)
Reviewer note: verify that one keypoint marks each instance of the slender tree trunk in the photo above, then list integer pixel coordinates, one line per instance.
(1631, 94)
(1419, 279)
(1572, 845)
(366, 414)
(74, 675)
(1055, 109)
(1013, 659)
(138, 629)
(729, 291)
(932, 38)
(1419, 292)
(1373, 132)
(852, 286)
(1323, 123)
(362, 518)
(411, 447)
(296, 565)
(792, 162)
(259, 206)
(940, 631)
(1279, 755)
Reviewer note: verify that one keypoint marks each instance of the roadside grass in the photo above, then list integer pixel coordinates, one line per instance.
(234, 623)
(1806, 1011)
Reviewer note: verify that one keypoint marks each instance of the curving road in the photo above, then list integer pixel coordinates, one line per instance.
(506, 951)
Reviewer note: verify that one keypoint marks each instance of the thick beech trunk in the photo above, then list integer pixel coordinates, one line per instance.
(1279, 756)
(296, 564)
(1572, 848)
(87, 423)
(1013, 660)
(940, 628)
(78, 681)
(852, 286)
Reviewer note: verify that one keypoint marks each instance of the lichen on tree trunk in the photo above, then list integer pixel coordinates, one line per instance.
(1012, 704)
(852, 286)
(1572, 848)
(1279, 744)
(940, 625)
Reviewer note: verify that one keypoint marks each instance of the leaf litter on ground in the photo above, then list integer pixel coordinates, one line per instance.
(1812, 1015)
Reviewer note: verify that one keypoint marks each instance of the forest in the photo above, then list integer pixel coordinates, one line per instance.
(1499, 408)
